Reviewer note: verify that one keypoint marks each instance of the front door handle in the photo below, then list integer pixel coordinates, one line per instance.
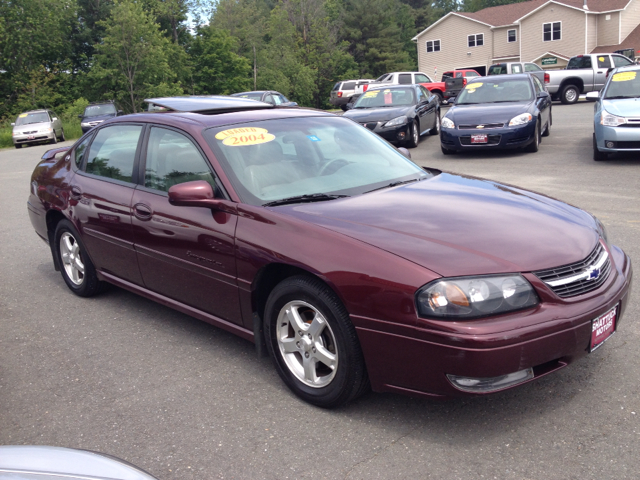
(142, 211)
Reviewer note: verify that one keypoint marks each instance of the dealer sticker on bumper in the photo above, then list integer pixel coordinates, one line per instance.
(603, 327)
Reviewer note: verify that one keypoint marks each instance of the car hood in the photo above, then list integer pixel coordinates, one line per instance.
(456, 225)
(486, 112)
(98, 118)
(31, 127)
(364, 115)
(623, 107)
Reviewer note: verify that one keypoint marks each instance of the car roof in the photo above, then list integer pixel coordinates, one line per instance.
(36, 111)
(207, 103)
(252, 91)
(387, 87)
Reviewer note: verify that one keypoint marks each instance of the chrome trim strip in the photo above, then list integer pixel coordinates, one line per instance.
(581, 276)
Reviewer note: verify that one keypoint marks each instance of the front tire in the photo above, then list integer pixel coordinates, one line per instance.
(313, 343)
(570, 94)
(598, 156)
(535, 145)
(446, 151)
(414, 138)
(54, 140)
(18, 145)
(76, 267)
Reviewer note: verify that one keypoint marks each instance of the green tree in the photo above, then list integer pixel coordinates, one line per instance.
(219, 69)
(131, 62)
(475, 5)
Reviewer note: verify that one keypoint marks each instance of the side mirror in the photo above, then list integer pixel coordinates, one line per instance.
(13, 124)
(54, 118)
(543, 94)
(405, 152)
(119, 112)
(198, 193)
(80, 117)
(593, 96)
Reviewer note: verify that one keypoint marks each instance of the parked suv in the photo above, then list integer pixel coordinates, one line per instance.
(516, 67)
(37, 126)
(96, 113)
(344, 90)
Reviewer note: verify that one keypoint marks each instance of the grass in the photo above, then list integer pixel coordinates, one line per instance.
(71, 129)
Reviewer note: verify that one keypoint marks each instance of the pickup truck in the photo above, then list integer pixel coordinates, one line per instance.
(584, 73)
(516, 67)
(455, 80)
(408, 78)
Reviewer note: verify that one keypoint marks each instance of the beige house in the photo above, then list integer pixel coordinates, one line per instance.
(546, 32)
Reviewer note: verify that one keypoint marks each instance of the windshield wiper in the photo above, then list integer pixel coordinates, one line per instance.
(394, 184)
(309, 198)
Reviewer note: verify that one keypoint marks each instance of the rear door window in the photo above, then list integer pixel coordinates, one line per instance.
(604, 61)
(516, 68)
(113, 152)
(420, 78)
(404, 79)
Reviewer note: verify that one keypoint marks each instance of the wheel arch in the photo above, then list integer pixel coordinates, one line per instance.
(52, 219)
(575, 81)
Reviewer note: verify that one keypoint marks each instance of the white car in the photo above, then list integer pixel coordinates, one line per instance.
(37, 126)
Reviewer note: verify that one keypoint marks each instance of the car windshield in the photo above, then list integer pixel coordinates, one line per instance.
(271, 160)
(27, 118)
(496, 90)
(251, 95)
(96, 110)
(389, 97)
(624, 85)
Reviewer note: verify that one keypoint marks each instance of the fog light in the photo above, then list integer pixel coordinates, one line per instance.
(610, 144)
(401, 135)
(490, 384)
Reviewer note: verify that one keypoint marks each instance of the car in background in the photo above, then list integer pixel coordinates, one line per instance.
(267, 96)
(40, 462)
(410, 78)
(37, 126)
(500, 112)
(398, 113)
(96, 113)
(455, 80)
(317, 240)
(507, 68)
(347, 91)
(617, 112)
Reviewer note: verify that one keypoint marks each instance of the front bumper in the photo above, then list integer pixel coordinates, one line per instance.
(498, 138)
(546, 338)
(618, 139)
(395, 134)
(29, 138)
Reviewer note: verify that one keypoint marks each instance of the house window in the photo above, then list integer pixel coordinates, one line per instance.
(511, 36)
(476, 40)
(551, 31)
(433, 46)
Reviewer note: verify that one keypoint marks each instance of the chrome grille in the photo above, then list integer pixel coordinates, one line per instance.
(580, 277)
(483, 126)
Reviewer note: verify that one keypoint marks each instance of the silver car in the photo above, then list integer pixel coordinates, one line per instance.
(37, 126)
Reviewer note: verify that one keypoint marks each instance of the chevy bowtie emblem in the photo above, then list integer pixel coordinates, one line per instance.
(480, 126)
(593, 273)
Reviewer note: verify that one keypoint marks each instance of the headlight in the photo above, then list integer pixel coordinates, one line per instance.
(447, 123)
(473, 297)
(611, 120)
(45, 130)
(85, 124)
(602, 231)
(396, 121)
(520, 119)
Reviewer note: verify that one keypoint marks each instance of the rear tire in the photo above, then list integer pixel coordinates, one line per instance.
(547, 130)
(62, 135)
(344, 107)
(313, 343)
(76, 267)
(570, 94)
(440, 97)
(18, 145)
(436, 128)
(598, 156)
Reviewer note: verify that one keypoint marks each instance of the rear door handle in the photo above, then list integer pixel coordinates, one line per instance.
(142, 211)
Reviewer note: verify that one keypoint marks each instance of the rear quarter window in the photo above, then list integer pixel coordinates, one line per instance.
(349, 86)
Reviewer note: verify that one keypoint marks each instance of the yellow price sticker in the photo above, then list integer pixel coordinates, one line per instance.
(624, 77)
(601, 59)
(473, 86)
(22, 115)
(232, 132)
(371, 94)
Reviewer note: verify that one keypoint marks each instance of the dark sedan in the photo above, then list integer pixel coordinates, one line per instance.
(312, 237)
(505, 111)
(399, 114)
(267, 96)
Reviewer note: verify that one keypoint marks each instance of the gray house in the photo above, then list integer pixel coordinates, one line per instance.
(546, 32)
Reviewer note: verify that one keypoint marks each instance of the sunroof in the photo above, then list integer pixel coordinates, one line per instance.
(205, 104)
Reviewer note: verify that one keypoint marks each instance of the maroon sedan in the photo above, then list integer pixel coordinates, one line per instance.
(312, 237)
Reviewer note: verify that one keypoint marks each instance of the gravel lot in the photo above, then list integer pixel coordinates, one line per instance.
(185, 400)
